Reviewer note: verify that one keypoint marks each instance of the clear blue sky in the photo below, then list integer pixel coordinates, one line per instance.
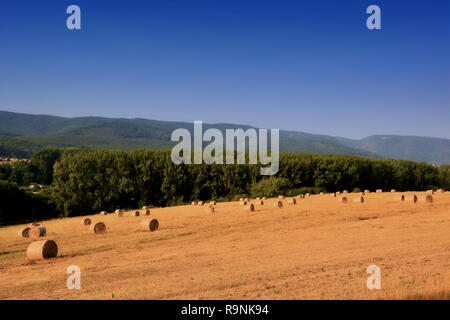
(300, 65)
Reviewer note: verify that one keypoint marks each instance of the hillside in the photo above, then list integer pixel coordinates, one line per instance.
(23, 134)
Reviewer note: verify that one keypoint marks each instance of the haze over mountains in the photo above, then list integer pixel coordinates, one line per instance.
(23, 134)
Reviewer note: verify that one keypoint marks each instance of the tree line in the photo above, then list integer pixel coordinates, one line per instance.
(88, 181)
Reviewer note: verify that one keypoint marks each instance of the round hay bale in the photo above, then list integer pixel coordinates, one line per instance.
(24, 232)
(321, 193)
(244, 203)
(210, 209)
(412, 198)
(343, 199)
(393, 190)
(307, 194)
(440, 190)
(241, 199)
(200, 203)
(379, 191)
(292, 201)
(86, 221)
(359, 199)
(43, 249)
(144, 208)
(37, 232)
(104, 213)
(260, 202)
(345, 192)
(250, 207)
(263, 198)
(137, 213)
(281, 197)
(338, 193)
(258, 198)
(149, 225)
(194, 203)
(278, 204)
(213, 203)
(147, 212)
(118, 211)
(428, 198)
(400, 198)
(430, 191)
(333, 194)
(119, 214)
(367, 191)
(98, 227)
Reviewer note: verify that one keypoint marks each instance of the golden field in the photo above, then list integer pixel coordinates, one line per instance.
(317, 249)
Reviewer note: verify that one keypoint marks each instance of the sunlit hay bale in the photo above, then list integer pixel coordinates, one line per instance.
(307, 195)
(37, 232)
(278, 204)
(241, 199)
(243, 202)
(98, 227)
(263, 198)
(104, 213)
(194, 203)
(144, 208)
(210, 209)
(379, 191)
(321, 193)
(430, 191)
(149, 225)
(281, 197)
(333, 195)
(343, 199)
(213, 203)
(393, 190)
(119, 213)
(301, 196)
(440, 190)
(359, 199)
(258, 198)
(345, 192)
(428, 198)
(43, 249)
(367, 191)
(400, 198)
(24, 232)
(137, 213)
(292, 202)
(200, 203)
(412, 198)
(338, 193)
(250, 207)
(260, 202)
(147, 212)
(86, 221)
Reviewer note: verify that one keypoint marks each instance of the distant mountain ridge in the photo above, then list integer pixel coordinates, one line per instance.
(23, 134)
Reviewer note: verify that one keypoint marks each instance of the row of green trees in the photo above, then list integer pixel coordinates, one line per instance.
(92, 180)
(88, 181)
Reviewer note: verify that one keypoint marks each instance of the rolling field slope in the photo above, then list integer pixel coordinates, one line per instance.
(317, 249)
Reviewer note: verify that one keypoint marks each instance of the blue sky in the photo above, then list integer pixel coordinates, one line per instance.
(310, 66)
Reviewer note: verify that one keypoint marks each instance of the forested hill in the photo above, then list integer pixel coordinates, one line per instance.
(23, 134)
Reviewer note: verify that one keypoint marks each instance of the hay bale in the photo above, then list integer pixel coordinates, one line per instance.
(440, 190)
(147, 212)
(345, 192)
(104, 213)
(359, 199)
(246, 199)
(393, 190)
(301, 196)
(281, 197)
(260, 202)
(37, 232)
(250, 207)
(338, 193)
(194, 203)
(333, 194)
(412, 198)
(343, 199)
(307, 195)
(43, 249)
(24, 232)
(400, 198)
(86, 221)
(278, 204)
(263, 198)
(258, 198)
(241, 199)
(98, 227)
(34, 224)
(379, 191)
(149, 225)
(428, 198)
(144, 208)
(118, 211)
(243, 202)
(292, 201)
(213, 203)
(137, 213)
(200, 203)
(430, 191)
(367, 191)
(321, 193)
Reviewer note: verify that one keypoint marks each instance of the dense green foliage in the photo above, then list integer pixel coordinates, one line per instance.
(88, 181)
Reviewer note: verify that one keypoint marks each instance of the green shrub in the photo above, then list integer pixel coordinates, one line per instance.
(270, 187)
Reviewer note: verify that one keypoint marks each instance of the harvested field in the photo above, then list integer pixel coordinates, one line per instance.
(317, 249)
